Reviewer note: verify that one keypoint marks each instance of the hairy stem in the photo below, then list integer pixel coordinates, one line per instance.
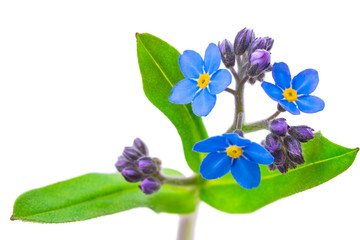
(187, 226)
(182, 181)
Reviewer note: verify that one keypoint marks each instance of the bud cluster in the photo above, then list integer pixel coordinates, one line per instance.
(284, 144)
(254, 53)
(136, 165)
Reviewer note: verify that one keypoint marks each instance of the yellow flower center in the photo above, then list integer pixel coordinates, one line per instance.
(290, 95)
(204, 80)
(234, 151)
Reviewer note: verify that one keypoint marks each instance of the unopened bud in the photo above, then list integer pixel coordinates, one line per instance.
(150, 185)
(279, 157)
(279, 126)
(131, 153)
(141, 146)
(265, 43)
(131, 174)
(259, 61)
(243, 40)
(227, 53)
(272, 143)
(294, 150)
(301, 133)
(147, 165)
(122, 163)
(269, 42)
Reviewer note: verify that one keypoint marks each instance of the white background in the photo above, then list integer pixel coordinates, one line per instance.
(71, 98)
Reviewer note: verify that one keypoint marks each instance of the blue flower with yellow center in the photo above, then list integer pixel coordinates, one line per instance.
(230, 152)
(294, 94)
(203, 80)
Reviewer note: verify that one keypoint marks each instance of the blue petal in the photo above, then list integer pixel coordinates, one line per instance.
(246, 173)
(235, 139)
(212, 59)
(310, 104)
(213, 144)
(274, 92)
(306, 81)
(203, 103)
(183, 92)
(215, 165)
(191, 64)
(290, 107)
(258, 154)
(219, 81)
(281, 75)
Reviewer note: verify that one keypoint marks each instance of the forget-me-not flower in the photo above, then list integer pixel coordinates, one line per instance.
(293, 94)
(203, 80)
(230, 152)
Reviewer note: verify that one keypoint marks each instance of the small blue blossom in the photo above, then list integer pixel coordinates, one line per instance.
(293, 94)
(203, 80)
(230, 152)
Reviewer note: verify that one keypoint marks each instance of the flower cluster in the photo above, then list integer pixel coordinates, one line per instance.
(135, 165)
(284, 144)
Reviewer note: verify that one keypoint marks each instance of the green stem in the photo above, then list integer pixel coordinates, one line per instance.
(182, 181)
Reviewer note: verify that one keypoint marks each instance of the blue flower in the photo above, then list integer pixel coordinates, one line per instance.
(203, 80)
(230, 152)
(293, 94)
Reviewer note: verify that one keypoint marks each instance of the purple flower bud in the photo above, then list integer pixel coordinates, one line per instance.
(272, 143)
(147, 165)
(122, 163)
(141, 146)
(227, 53)
(283, 168)
(271, 167)
(131, 174)
(131, 154)
(150, 185)
(265, 43)
(261, 58)
(279, 157)
(292, 145)
(243, 40)
(269, 42)
(258, 43)
(239, 132)
(301, 133)
(279, 126)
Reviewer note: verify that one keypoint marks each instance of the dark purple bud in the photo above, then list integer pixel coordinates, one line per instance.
(283, 168)
(301, 133)
(141, 146)
(131, 154)
(265, 43)
(279, 126)
(292, 145)
(147, 165)
(258, 43)
(271, 167)
(131, 174)
(243, 40)
(227, 53)
(261, 58)
(269, 42)
(122, 163)
(279, 157)
(272, 143)
(150, 185)
(296, 158)
(291, 165)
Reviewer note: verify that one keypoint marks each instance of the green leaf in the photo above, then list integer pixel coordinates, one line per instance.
(323, 161)
(160, 71)
(96, 194)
